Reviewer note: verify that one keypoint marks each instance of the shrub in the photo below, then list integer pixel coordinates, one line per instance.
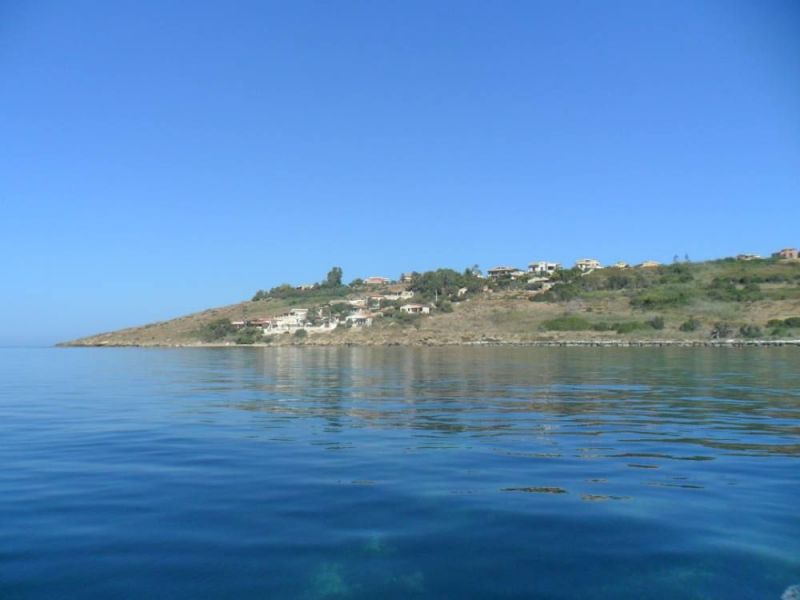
(676, 273)
(249, 335)
(691, 325)
(721, 329)
(784, 324)
(300, 334)
(660, 298)
(216, 330)
(445, 306)
(750, 331)
(656, 323)
(725, 290)
(558, 293)
(567, 323)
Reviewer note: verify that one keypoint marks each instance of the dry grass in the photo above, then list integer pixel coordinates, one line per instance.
(501, 316)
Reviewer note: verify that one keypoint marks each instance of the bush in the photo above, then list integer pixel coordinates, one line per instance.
(661, 298)
(721, 329)
(691, 325)
(676, 273)
(567, 323)
(750, 331)
(216, 330)
(300, 334)
(558, 293)
(445, 306)
(656, 323)
(727, 291)
(249, 335)
(782, 326)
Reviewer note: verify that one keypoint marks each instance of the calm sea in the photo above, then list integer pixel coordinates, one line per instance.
(326, 473)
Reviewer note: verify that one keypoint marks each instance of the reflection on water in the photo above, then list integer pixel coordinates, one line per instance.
(357, 472)
(626, 399)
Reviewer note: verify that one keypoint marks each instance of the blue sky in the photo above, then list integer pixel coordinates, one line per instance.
(158, 158)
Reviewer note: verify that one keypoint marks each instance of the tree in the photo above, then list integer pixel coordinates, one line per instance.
(334, 278)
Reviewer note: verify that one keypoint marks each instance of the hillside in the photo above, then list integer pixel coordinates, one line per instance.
(684, 302)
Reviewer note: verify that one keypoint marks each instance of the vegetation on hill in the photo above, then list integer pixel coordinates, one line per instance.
(711, 300)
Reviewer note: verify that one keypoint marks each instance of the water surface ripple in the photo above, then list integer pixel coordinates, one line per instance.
(315, 473)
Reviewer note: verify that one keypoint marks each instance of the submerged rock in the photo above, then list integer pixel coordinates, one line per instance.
(791, 593)
(328, 582)
(536, 490)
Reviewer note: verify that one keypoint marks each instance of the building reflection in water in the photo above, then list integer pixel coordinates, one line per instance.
(543, 398)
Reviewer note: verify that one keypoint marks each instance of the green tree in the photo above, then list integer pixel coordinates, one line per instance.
(334, 278)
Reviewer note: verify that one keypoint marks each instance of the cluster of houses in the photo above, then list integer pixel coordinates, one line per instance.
(364, 310)
(783, 254)
(786, 254)
(546, 269)
(296, 318)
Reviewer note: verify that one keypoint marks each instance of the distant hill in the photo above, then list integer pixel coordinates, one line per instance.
(682, 302)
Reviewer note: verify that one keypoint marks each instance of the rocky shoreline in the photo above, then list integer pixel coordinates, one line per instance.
(731, 343)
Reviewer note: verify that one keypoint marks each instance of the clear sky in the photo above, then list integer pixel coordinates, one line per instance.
(158, 158)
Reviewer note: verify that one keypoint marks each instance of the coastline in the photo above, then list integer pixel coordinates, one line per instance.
(731, 343)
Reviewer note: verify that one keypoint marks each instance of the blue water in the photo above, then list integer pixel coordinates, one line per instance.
(399, 473)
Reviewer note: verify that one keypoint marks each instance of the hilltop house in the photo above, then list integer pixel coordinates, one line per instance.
(747, 257)
(621, 264)
(786, 254)
(650, 264)
(406, 277)
(543, 267)
(587, 264)
(377, 280)
(415, 309)
(503, 271)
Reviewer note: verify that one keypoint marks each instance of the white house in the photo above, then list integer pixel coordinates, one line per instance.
(360, 318)
(416, 309)
(543, 267)
(502, 271)
(292, 321)
(587, 264)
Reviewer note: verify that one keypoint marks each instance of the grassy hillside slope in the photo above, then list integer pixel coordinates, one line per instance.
(724, 299)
